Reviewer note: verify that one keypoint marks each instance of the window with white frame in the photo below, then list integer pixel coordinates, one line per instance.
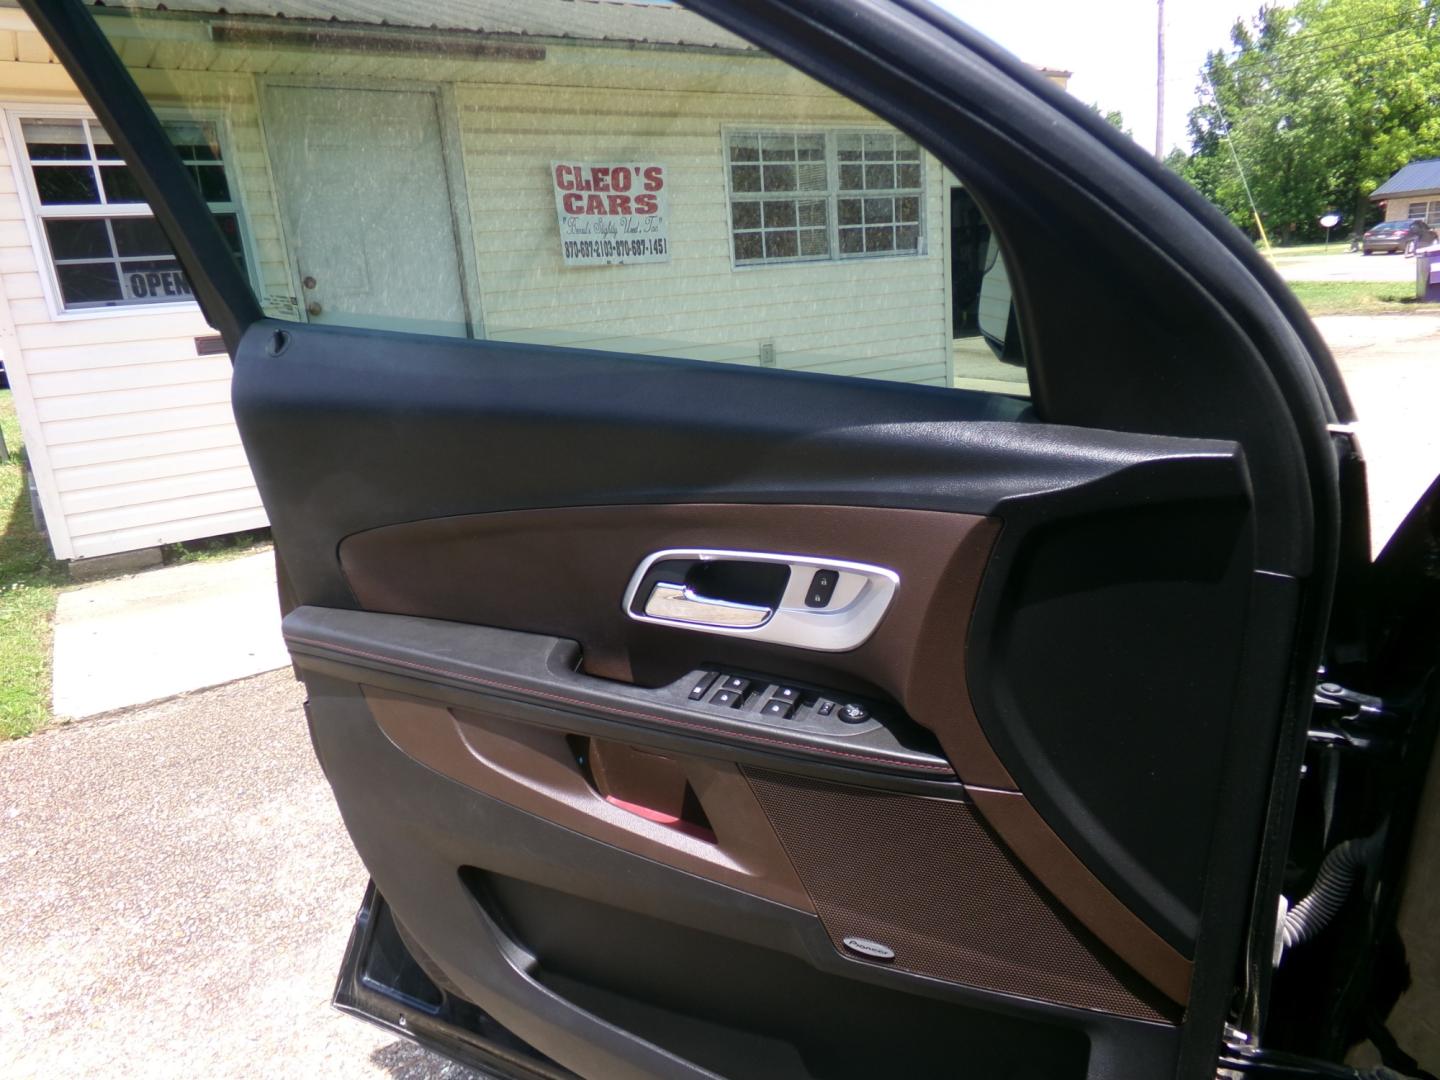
(1426, 212)
(105, 247)
(820, 195)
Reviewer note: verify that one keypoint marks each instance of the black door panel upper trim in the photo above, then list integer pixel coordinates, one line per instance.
(327, 424)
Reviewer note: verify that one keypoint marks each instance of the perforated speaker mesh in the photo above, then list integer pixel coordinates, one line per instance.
(925, 878)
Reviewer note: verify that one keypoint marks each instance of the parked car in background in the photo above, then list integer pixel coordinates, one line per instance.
(1397, 236)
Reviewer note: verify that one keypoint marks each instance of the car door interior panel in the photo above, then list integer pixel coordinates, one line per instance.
(496, 646)
(746, 718)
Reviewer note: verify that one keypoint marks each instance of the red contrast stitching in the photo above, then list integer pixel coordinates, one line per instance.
(529, 692)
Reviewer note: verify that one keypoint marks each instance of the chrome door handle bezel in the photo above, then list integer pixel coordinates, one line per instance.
(671, 601)
(861, 598)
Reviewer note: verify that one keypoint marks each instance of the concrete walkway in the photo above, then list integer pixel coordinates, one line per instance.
(1391, 365)
(176, 890)
(136, 639)
(1344, 266)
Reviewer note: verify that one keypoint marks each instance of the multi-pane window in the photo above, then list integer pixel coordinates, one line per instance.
(823, 195)
(878, 205)
(105, 245)
(779, 189)
(1428, 213)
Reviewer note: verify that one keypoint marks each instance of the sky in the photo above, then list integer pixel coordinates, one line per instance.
(1110, 46)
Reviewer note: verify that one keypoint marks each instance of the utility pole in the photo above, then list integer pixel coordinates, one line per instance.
(1160, 81)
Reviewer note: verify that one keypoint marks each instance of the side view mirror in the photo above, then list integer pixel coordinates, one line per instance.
(996, 315)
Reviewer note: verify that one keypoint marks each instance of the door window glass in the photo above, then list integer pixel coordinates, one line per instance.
(604, 176)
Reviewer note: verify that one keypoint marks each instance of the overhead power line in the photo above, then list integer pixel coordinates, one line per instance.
(1160, 80)
(1230, 142)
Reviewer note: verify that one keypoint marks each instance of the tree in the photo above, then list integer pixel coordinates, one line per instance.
(1114, 117)
(1313, 107)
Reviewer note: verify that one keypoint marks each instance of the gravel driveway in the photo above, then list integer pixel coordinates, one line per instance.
(176, 890)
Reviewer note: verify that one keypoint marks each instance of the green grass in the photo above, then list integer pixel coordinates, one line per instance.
(1359, 298)
(217, 548)
(29, 582)
(1339, 245)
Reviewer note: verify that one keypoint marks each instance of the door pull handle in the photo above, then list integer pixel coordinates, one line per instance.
(804, 601)
(682, 604)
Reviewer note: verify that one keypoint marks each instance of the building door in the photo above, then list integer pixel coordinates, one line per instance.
(343, 156)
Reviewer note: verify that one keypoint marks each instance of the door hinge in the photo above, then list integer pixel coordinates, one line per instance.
(1242, 1058)
(1344, 717)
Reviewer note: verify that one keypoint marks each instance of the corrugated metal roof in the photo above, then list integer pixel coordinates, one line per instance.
(1414, 178)
(586, 20)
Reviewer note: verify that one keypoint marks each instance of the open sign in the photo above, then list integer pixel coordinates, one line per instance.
(156, 285)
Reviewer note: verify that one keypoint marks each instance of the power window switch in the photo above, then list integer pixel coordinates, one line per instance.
(702, 687)
(781, 710)
(786, 693)
(727, 698)
(738, 683)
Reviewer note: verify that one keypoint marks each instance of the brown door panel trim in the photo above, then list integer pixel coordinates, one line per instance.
(1014, 821)
(563, 571)
(1045, 855)
(533, 769)
(930, 881)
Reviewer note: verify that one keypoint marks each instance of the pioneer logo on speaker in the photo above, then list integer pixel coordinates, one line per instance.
(871, 950)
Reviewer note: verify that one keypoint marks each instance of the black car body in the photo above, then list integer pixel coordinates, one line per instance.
(712, 701)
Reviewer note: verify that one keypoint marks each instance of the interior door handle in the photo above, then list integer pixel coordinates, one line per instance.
(679, 603)
(805, 601)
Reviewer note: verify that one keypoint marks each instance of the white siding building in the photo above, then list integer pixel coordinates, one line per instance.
(123, 399)
(125, 411)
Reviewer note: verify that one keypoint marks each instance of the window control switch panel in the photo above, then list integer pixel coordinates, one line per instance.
(784, 704)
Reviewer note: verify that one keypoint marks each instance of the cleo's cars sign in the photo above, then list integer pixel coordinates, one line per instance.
(612, 214)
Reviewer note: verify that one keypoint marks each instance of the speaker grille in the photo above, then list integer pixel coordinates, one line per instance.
(925, 878)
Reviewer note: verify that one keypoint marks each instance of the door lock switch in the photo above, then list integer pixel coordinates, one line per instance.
(702, 687)
(822, 588)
